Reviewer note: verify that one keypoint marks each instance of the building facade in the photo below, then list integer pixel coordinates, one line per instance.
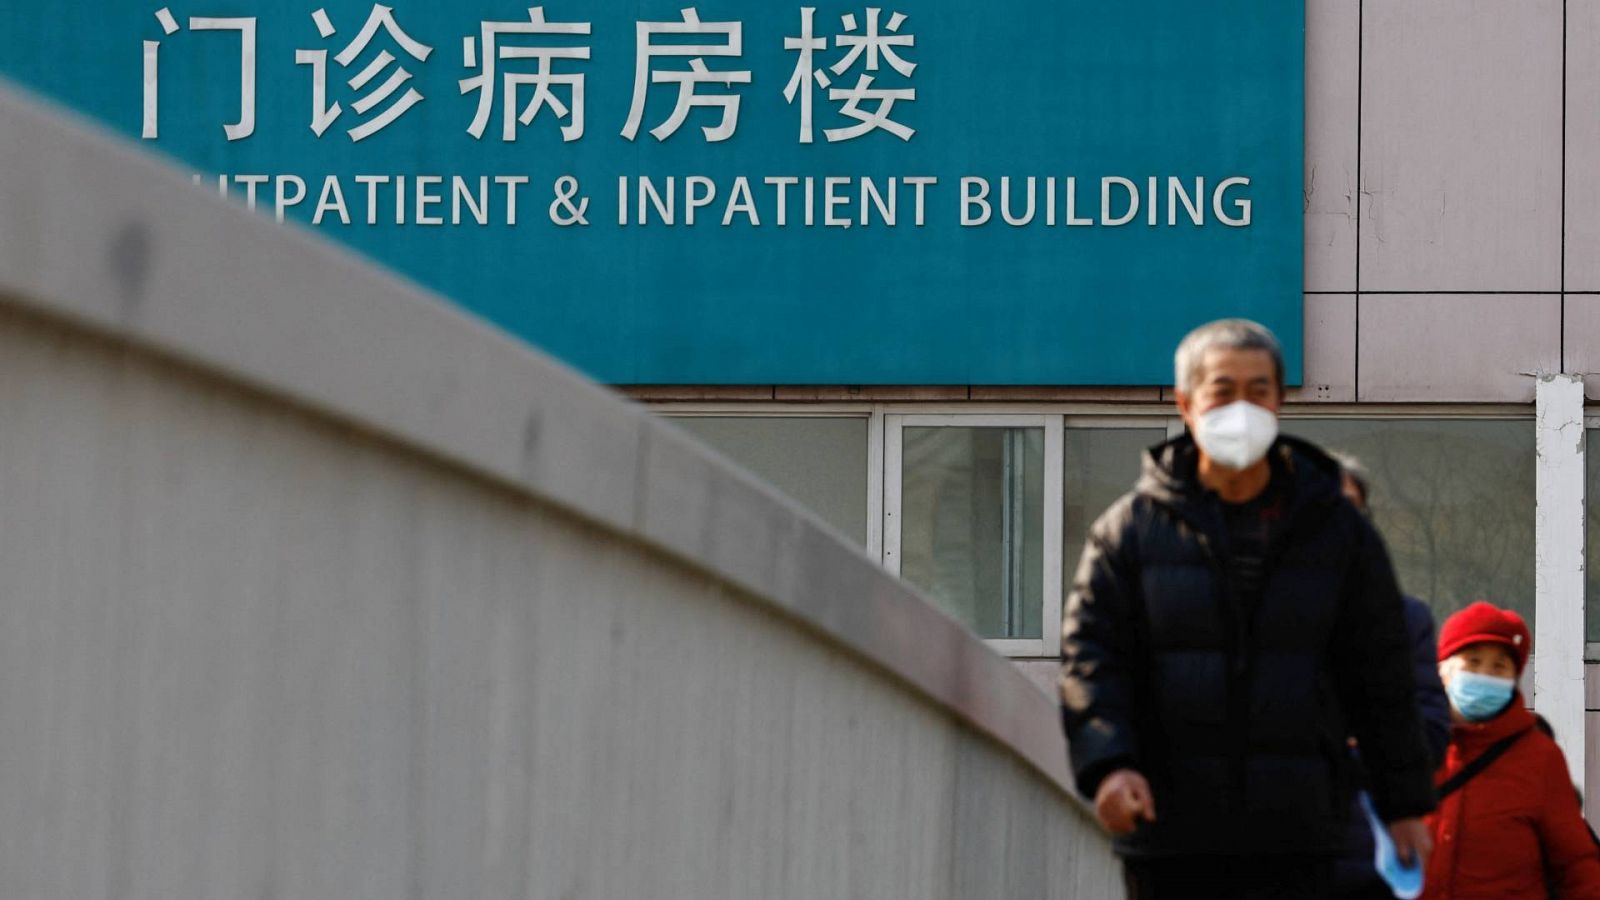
(1452, 264)
(1449, 210)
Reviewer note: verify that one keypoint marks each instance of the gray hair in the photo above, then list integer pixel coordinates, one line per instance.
(1223, 334)
(1356, 471)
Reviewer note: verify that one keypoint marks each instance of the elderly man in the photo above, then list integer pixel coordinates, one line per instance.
(1233, 620)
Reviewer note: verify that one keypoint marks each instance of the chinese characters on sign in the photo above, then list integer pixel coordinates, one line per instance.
(519, 57)
(541, 79)
(246, 125)
(323, 115)
(843, 83)
(717, 192)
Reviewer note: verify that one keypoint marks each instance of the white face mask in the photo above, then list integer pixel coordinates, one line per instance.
(1237, 435)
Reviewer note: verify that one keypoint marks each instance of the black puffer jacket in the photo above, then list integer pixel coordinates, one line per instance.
(1240, 722)
(1354, 871)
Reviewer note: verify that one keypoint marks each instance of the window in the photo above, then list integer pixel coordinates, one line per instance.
(968, 523)
(987, 512)
(1100, 464)
(1454, 500)
(821, 462)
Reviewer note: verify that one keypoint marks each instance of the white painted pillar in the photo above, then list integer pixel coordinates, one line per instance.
(1558, 566)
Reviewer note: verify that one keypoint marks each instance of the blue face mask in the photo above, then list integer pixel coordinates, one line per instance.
(1479, 697)
(1404, 881)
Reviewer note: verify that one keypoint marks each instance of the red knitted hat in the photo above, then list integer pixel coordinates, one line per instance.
(1484, 623)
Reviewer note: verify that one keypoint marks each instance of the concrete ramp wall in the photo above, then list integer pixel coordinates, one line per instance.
(313, 587)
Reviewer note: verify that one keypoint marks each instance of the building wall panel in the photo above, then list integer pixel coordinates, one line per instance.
(1461, 145)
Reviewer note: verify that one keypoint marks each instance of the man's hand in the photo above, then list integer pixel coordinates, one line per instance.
(1124, 798)
(1412, 843)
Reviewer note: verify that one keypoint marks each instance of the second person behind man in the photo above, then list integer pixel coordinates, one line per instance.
(1355, 878)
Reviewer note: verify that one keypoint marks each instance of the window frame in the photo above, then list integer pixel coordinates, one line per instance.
(1459, 412)
(874, 417)
(1049, 641)
(886, 420)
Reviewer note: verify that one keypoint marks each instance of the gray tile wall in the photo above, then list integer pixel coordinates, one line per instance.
(1452, 198)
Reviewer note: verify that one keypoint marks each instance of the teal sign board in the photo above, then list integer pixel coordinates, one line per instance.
(926, 192)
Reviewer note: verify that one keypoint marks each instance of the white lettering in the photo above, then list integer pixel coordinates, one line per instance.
(1195, 206)
(1072, 204)
(869, 192)
(692, 200)
(425, 199)
(331, 188)
(477, 204)
(511, 182)
(372, 182)
(1105, 200)
(740, 201)
(835, 199)
(282, 199)
(1005, 202)
(1220, 195)
(664, 209)
(920, 182)
(250, 182)
(970, 199)
(782, 183)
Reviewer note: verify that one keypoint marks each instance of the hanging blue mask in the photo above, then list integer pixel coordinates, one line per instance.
(1479, 697)
(1404, 881)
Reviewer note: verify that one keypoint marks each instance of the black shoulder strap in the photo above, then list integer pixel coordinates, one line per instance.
(1484, 760)
(1543, 724)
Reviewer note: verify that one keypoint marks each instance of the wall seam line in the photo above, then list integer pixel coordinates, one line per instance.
(1361, 42)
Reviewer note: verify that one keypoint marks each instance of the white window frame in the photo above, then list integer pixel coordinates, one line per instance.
(1049, 643)
(1052, 417)
(885, 420)
(756, 410)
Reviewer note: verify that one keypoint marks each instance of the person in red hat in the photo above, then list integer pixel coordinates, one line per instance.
(1509, 825)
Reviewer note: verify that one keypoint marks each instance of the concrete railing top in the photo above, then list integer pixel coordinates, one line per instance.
(98, 233)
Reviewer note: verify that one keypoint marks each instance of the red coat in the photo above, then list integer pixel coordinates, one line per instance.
(1493, 838)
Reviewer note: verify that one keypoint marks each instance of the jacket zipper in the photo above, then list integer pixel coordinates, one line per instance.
(1236, 696)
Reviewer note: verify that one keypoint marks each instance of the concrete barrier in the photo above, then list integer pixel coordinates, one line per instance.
(313, 587)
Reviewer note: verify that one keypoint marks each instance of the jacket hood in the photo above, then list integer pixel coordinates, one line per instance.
(1169, 475)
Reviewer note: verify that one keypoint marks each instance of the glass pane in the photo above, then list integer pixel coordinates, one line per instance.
(820, 462)
(1454, 499)
(1591, 567)
(1101, 465)
(971, 524)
